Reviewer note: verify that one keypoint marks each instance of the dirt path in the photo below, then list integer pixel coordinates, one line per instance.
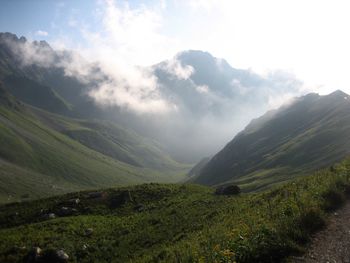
(333, 243)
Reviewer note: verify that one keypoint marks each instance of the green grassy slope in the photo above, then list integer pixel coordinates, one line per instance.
(51, 158)
(311, 133)
(176, 223)
(35, 94)
(112, 140)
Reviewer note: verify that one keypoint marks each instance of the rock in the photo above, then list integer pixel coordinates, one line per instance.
(88, 232)
(54, 256)
(52, 216)
(62, 255)
(120, 199)
(49, 216)
(72, 202)
(228, 190)
(93, 195)
(67, 211)
(139, 207)
(33, 255)
(17, 249)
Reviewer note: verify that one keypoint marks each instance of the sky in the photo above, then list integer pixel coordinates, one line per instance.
(307, 38)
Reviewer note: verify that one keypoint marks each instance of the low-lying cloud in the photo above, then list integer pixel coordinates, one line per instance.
(192, 111)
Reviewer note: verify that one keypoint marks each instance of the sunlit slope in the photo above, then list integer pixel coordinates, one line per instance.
(53, 160)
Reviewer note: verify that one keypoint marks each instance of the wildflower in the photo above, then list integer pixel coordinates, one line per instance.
(228, 253)
(217, 247)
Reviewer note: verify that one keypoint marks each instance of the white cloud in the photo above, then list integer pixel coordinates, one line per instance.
(237, 85)
(205, 4)
(128, 41)
(203, 89)
(41, 33)
(306, 37)
(175, 68)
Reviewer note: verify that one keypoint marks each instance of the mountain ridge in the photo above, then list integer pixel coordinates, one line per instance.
(310, 133)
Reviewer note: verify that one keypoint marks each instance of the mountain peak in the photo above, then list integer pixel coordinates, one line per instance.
(338, 93)
(198, 56)
(9, 38)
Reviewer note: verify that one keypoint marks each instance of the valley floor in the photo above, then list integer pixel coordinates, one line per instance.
(185, 223)
(333, 243)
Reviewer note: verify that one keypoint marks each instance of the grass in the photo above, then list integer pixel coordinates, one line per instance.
(310, 134)
(38, 159)
(178, 223)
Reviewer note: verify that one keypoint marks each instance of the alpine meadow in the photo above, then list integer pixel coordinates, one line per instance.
(174, 131)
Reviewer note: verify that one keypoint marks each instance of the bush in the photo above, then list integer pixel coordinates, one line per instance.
(333, 199)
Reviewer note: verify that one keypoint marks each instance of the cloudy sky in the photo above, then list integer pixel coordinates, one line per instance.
(308, 38)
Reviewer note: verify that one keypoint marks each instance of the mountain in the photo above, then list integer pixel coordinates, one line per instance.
(36, 94)
(212, 99)
(43, 154)
(198, 167)
(310, 133)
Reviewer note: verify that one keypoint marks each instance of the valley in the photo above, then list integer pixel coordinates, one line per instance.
(191, 165)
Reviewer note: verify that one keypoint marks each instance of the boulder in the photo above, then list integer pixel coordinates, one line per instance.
(72, 202)
(228, 190)
(62, 256)
(88, 232)
(52, 216)
(34, 255)
(139, 207)
(67, 211)
(120, 199)
(49, 216)
(54, 256)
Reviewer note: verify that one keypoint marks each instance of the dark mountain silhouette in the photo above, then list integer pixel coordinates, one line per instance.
(310, 133)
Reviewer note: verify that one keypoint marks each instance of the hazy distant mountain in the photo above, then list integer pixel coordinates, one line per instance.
(312, 132)
(212, 99)
(33, 72)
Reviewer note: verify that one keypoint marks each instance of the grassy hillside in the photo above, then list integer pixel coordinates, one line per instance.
(38, 158)
(35, 94)
(175, 223)
(311, 133)
(111, 140)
